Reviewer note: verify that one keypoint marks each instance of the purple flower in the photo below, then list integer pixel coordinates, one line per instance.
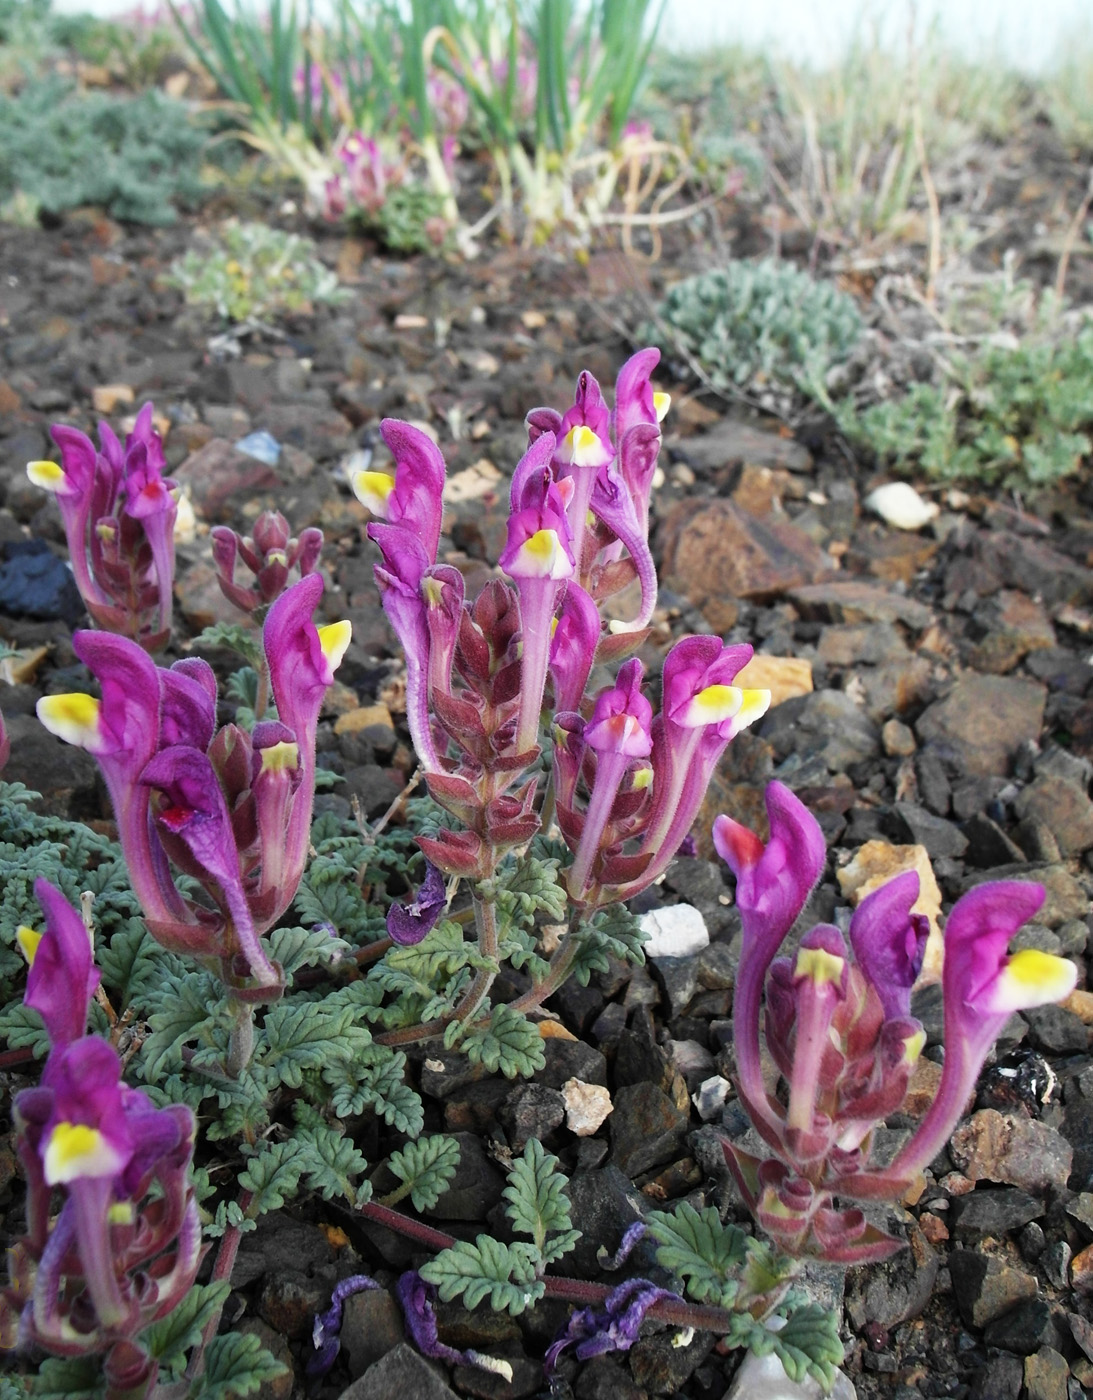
(889, 941)
(270, 555)
(118, 512)
(418, 1300)
(408, 924)
(615, 1328)
(412, 497)
(62, 976)
(573, 647)
(325, 1332)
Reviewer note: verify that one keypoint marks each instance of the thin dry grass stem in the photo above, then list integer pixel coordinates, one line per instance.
(933, 260)
(1073, 230)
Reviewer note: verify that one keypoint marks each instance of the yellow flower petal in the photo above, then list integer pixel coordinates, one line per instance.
(753, 707)
(1032, 978)
(49, 476)
(712, 705)
(28, 940)
(281, 758)
(372, 489)
(819, 965)
(542, 556)
(334, 641)
(73, 718)
(75, 1150)
(581, 447)
(661, 404)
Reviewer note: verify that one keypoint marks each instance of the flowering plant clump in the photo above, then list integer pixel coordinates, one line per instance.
(840, 1031)
(269, 554)
(124, 1249)
(118, 511)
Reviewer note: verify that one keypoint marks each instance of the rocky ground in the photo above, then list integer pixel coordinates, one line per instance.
(935, 703)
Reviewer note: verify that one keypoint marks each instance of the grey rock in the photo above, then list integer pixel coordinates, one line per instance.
(855, 602)
(988, 844)
(661, 1367)
(1000, 1379)
(1066, 899)
(1056, 1030)
(280, 1245)
(531, 1111)
(1024, 1329)
(913, 825)
(679, 979)
(603, 1204)
(1012, 1149)
(897, 1290)
(986, 718)
(372, 1326)
(994, 1212)
(571, 1059)
(402, 1373)
(985, 1287)
(1063, 807)
(476, 1187)
(1037, 839)
(606, 1378)
(527, 1379)
(646, 1128)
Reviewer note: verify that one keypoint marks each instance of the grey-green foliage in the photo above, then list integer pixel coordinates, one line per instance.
(251, 272)
(1014, 417)
(753, 324)
(426, 1169)
(138, 158)
(509, 1276)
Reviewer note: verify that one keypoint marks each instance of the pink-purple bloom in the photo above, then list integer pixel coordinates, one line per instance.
(838, 1028)
(408, 923)
(118, 511)
(230, 809)
(125, 1247)
(269, 554)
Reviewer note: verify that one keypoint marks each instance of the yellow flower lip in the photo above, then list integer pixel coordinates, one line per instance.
(49, 476)
(582, 447)
(373, 489)
(661, 404)
(281, 758)
(1032, 978)
(334, 641)
(76, 1150)
(543, 556)
(75, 718)
(712, 705)
(28, 940)
(819, 966)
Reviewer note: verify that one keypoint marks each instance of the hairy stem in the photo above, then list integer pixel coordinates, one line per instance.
(223, 1266)
(558, 970)
(241, 1041)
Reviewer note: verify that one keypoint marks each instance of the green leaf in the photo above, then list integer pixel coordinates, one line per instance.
(611, 933)
(68, 1378)
(237, 637)
(509, 1043)
(537, 1202)
(171, 1338)
(332, 1163)
(236, 1364)
(427, 1167)
(130, 962)
(505, 1274)
(698, 1248)
(375, 1079)
(22, 1028)
(808, 1344)
(302, 1036)
(299, 947)
(273, 1174)
(191, 1007)
(525, 887)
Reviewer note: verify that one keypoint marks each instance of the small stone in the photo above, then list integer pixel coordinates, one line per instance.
(922, 1088)
(606, 1378)
(1046, 1375)
(899, 504)
(1081, 1271)
(675, 931)
(108, 398)
(709, 1098)
(586, 1106)
(784, 676)
(933, 1227)
(1000, 1379)
(35, 583)
(764, 1378)
(363, 717)
(289, 1302)
(915, 825)
(372, 1326)
(988, 844)
(1064, 808)
(402, 1372)
(262, 446)
(646, 1128)
(985, 1287)
(995, 1212)
(986, 719)
(531, 1111)
(1024, 1329)
(851, 601)
(1057, 1031)
(1012, 1149)
(1081, 1329)
(476, 1187)
(679, 979)
(662, 1364)
(897, 738)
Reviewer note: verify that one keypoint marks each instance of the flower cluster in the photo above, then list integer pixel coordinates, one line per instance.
(839, 1029)
(270, 553)
(230, 809)
(367, 175)
(118, 511)
(627, 787)
(124, 1248)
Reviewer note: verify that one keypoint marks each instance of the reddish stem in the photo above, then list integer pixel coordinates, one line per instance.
(16, 1057)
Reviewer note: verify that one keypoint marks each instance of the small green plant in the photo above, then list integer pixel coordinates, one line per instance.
(249, 272)
(758, 325)
(138, 158)
(1068, 92)
(1015, 417)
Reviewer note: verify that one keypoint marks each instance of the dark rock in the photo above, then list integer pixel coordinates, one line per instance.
(610, 1025)
(986, 718)
(372, 1325)
(914, 825)
(1012, 1149)
(578, 1006)
(988, 844)
(1056, 1030)
(474, 1107)
(531, 1111)
(289, 1301)
(66, 777)
(446, 1072)
(854, 602)
(606, 1378)
(603, 1204)
(646, 1128)
(994, 1212)
(571, 1059)
(1000, 1379)
(932, 772)
(827, 722)
(1037, 839)
(700, 882)
(527, 1378)
(662, 1367)
(402, 1373)
(733, 443)
(375, 788)
(895, 1291)
(35, 583)
(679, 979)
(1060, 670)
(1024, 1329)
(1064, 808)
(985, 1287)
(476, 1187)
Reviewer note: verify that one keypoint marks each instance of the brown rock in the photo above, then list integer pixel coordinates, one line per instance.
(10, 401)
(217, 474)
(892, 557)
(1046, 1375)
(371, 1327)
(718, 550)
(1081, 1270)
(759, 489)
(200, 599)
(1063, 808)
(986, 1287)
(986, 718)
(1065, 899)
(922, 1089)
(646, 1128)
(783, 676)
(108, 398)
(1014, 1150)
(363, 717)
(733, 442)
(850, 601)
(896, 687)
(1021, 625)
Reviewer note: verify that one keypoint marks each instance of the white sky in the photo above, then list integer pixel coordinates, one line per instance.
(1026, 33)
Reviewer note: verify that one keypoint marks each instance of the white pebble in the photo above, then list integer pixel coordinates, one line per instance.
(764, 1378)
(900, 505)
(709, 1098)
(586, 1106)
(676, 931)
